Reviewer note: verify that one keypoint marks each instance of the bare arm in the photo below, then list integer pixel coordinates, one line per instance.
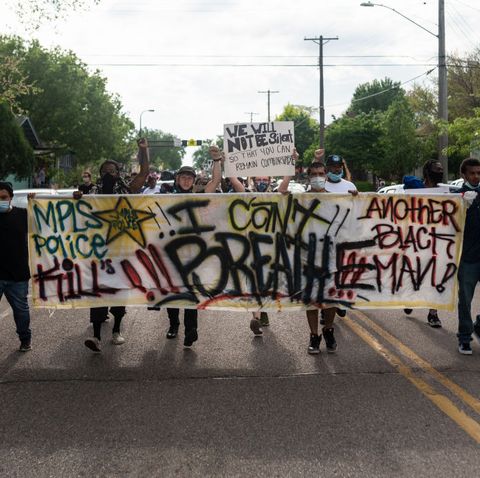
(283, 188)
(143, 159)
(216, 156)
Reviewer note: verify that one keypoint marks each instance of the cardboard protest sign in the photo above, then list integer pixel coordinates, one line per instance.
(259, 149)
(246, 251)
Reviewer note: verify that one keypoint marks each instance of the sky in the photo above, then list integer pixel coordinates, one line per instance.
(201, 63)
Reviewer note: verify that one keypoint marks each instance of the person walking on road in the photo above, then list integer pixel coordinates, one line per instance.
(14, 271)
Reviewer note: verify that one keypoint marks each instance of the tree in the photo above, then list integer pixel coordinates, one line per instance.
(377, 95)
(357, 139)
(163, 157)
(16, 155)
(71, 107)
(201, 156)
(399, 141)
(306, 128)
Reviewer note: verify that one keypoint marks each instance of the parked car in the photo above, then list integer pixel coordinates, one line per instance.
(293, 187)
(457, 183)
(20, 196)
(66, 192)
(392, 189)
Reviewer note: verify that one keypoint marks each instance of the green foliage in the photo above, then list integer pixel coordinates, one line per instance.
(364, 186)
(201, 156)
(160, 156)
(306, 128)
(377, 95)
(16, 155)
(71, 107)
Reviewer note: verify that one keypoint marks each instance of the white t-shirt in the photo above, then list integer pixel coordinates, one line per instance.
(341, 187)
(154, 190)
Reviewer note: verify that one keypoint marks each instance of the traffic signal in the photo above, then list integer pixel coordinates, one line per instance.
(191, 142)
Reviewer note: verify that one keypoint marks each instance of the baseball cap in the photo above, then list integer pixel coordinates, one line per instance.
(7, 187)
(334, 159)
(187, 170)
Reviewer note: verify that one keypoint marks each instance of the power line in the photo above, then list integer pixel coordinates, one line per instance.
(259, 65)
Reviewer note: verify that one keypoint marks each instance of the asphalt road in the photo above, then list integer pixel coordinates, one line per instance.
(396, 400)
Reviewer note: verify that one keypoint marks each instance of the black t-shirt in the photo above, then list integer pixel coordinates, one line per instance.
(14, 247)
(84, 189)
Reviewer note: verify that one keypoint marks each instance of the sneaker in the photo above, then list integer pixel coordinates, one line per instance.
(264, 322)
(322, 318)
(465, 349)
(154, 307)
(190, 337)
(256, 327)
(117, 339)
(341, 312)
(25, 346)
(314, 347)
(93, 344)
(330, 341)
(433, 321)
(172, 332)
(476, 330)
(408, 311)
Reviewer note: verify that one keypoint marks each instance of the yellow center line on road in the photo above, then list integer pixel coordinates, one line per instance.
(466, 423)
(462, 394)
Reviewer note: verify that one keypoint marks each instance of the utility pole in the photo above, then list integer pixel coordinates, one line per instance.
(251, 113)
(320, 41)
(268, 92)
(442, 89)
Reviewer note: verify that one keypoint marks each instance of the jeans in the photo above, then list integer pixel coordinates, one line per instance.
(468, 277)
(16, 294)
(189, 318)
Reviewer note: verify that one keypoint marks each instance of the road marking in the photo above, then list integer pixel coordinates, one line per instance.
(468, 424)
(462, 394)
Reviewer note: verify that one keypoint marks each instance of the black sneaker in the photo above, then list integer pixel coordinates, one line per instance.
(465, 349)
(25, 346)
(256, 327)
(264, 322)
(190, 337)
(476, 330)
(172, 332)
(433, 321)
(341, 312)
(330, 341)
(408, 311)
(314, 347)
(322, 318)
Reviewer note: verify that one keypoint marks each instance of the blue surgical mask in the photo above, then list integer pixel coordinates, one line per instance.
(335, 178)
(261, 186)
(4, 206)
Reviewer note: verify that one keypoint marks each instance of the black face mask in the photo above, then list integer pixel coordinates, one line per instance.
(435, 177)
(108, 181)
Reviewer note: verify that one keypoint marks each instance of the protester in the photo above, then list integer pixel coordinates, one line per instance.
(184, 183)
(111, 182)
(469, 268)
(432, 176)
(87, 185)
(152, 187)
(14, 271)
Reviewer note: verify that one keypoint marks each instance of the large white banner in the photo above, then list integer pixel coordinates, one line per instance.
(259, 149)
(246, 251)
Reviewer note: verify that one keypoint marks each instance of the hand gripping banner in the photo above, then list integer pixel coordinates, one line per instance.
(246, 251)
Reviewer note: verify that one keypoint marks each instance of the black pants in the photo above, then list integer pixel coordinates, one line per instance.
(98, 315)
(189, 318)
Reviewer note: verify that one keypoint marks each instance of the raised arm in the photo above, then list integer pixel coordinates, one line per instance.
(216, 156)
(283, 188)
(143, 159)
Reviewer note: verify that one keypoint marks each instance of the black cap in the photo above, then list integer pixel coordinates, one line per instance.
(7, 187)
(334, 159)
(187, 170)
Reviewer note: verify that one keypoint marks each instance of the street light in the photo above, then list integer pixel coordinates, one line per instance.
(144, 111)
(442, 75)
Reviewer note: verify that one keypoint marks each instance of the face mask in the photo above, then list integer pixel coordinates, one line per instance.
(436, 177)
(4, 206)
(86, 179)
(108, 181)
(471, 186)
(335, 178)
(317, 182)
(261, 186)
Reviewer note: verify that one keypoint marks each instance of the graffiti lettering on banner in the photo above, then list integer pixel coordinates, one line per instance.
(246, 251)
(259, 149)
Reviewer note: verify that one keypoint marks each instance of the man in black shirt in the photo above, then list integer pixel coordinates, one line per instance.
(87, 185)
(14, 272)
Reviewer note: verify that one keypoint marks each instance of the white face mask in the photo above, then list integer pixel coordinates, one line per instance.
(317, 182)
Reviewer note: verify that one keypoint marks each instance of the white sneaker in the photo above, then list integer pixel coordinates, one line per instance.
(93, 344)
(117, 339)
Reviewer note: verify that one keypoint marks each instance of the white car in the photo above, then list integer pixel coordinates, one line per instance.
(20, 197)
(66, 192)
(392, 189)
(457, 183)
(293, 187)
